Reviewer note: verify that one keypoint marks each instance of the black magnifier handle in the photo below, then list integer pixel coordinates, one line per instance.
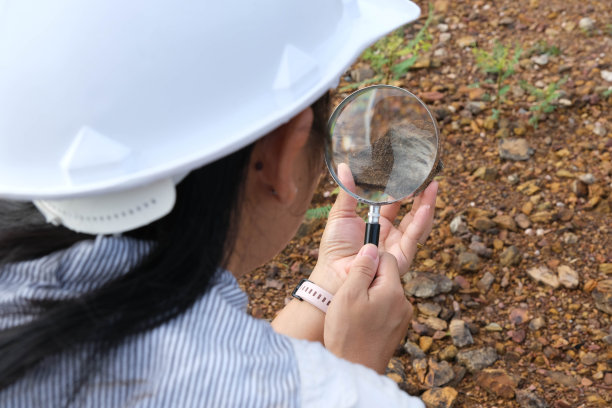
(372, 231)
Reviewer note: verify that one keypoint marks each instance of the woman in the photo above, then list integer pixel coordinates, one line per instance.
(117, 285)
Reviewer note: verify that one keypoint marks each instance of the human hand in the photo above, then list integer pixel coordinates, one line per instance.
(343, 236)
(370, 313)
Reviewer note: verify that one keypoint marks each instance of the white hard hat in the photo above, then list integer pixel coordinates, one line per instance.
(104, 104)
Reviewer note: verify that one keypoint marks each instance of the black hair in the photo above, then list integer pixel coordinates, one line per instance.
(190, 244)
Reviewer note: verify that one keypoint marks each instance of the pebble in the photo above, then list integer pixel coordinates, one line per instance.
(522, 221)
(505, 221)
(587, 178)
(497, 382)
(414, 351)
(537, 323)
(444, 37)
(602, 294)
(448, 353)
(599, 129)
(426, 285)
(434, 323)
(544, 275)
(586, 24)
(458, 226)
(439, 374)
(481, 249)
(477, 359)
(528, 399)
(515, 149)
(510, 256)
(362, 74)
(484, 284)
(493, 327)
(519, 316)
(606, 75)
(429, 309)
(475, 107)
(460, 333)
(540, 59)
(425, 343)
(568, 277)
(469, 261)
(466, 41)
(440, 397)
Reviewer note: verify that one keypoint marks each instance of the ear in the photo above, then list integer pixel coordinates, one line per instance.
(277, 152)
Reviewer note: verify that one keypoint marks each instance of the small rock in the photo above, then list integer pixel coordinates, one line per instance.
(420, 368)
(466, 41)
(568, 277)
(440, 53)
(425, 285)
(602, 294)
(414, 351)
(537, 323)
(565, 102)
(517, 336)
(435, 323)
(429, 309)
(458, 226)
(505, 221)
(460, 333)
(599, 129)
(448, 353)
(483, 224)
(506, 21)
(362, 74)
(522, 221)
(481, 249)
(589, 359)
(440, 397)
(561, 378)
(439, 374)
(544, 217)
(425, 343)
(476, 360)
(484, 284)
(485, 173)
(431, 96)
(493, 327)
(527, 399)
(515, 149)
(475, 107)
(570, 238)
(587, 178)
(540, 59)
(586, 24)
(519, 316)
(442, 28)
(510, 256)
(469, 261)
(544, 275)
(497, 382)
(606, 75)
(444, 37)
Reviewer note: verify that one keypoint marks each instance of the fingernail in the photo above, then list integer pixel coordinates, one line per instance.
(369, 250)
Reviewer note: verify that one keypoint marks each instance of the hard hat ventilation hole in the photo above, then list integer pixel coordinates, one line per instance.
(106, 217)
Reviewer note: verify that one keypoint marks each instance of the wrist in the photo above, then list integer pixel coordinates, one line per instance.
(324, 278)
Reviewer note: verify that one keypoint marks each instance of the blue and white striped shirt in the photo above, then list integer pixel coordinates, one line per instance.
(213, 355)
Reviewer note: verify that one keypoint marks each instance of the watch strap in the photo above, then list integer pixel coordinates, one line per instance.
(312, 293)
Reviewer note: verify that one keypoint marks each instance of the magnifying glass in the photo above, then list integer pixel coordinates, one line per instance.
(385, 143)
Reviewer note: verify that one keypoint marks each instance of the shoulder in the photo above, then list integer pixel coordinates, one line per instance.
(328, 381)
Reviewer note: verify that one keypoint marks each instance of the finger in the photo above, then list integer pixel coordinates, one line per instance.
(345, 202)
(390, 211)
(427, 197)
(414, 231)
(388, 271)
(363, 270)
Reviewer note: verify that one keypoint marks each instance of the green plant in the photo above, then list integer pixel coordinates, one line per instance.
(543, 47)
(545, 99)
(387, 56)
(318, 212)
(501, 62)
(607, 92)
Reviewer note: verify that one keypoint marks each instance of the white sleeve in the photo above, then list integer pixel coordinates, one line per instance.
(329, 381)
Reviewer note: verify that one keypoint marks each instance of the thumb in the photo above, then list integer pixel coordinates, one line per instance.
(363, 269)
(345, 203)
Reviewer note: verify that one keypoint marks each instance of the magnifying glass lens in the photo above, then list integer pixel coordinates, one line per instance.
(383, 146)
(389, 141)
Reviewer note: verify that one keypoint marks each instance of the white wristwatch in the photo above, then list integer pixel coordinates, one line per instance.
(313, 294)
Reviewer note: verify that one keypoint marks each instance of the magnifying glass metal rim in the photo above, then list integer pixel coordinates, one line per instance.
(339, 109)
